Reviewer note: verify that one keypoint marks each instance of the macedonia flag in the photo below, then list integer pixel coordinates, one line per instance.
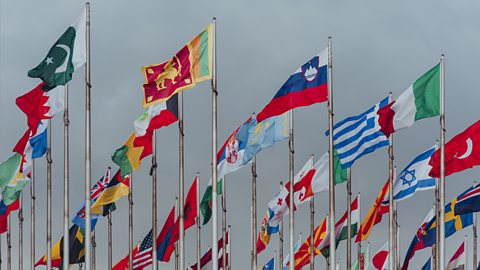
(192, 64)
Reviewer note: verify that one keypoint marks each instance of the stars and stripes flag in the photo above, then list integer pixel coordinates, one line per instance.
(142, 255)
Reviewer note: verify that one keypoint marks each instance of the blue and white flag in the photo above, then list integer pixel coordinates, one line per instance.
(270, 265)
(428, 264)
(358, 135)
(414, 177)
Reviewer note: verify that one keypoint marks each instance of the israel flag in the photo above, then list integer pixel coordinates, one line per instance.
(358, 135)
(414, 177)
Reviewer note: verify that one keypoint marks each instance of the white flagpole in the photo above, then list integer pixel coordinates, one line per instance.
(214, 150)
(153, 173)
(391, 230)
(331, 203)
(199, 226)
(181, 190)
(66, 184)
(280, 240)
(441, 189)
(349, 219)
(49, 195)
(20, 233)
(291, 184)
(9, 243)
(32, 217)
(254, 213)
(130, 223)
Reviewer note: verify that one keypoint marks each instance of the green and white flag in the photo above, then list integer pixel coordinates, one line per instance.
(64, 57)
(206, 203)
(9, 169)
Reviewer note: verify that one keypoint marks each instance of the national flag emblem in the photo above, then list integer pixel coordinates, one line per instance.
(115, 189)
(380, 259)
(302, 255)
(374, 215)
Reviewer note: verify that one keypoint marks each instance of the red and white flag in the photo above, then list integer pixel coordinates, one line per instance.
(380, 259)
(458, 260)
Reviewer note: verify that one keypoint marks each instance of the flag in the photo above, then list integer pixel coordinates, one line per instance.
(263, 134)
(320, 180)
(206, 203)
(206, 260)
(374, 215)
(5, 211)
(76, 249)
(192, 64)
(286, 261)
(230, 156)
(39, 105)
(364, 262)
(428, 264)
(156, 116)
(414, 177)
(64, 57)
(165, 237)
(266, 231)
(461, 152)
(380, 259)
(142, 255)
(189, 218)
(127, 157)
(306, 86)
(116, 188)
(302, 255)
(358, 135)
(469, 202)
(341, 228)
(302, 187)
(10, 169)
(421, 100)
(458, 261)
(270, 265)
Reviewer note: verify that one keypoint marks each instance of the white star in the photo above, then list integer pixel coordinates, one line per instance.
(49, 60)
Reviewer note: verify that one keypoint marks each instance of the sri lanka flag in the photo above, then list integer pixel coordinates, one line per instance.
(306, 86)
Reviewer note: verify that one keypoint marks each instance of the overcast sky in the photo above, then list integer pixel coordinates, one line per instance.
(378, 46)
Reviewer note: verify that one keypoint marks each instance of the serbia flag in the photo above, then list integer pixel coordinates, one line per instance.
(307, 86)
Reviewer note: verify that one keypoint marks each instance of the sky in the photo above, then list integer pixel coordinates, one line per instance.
(378, 47)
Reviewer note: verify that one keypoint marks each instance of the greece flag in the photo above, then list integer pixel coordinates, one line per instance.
(358, 135)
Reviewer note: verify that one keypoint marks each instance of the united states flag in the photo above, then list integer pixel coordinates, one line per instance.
(142, 255)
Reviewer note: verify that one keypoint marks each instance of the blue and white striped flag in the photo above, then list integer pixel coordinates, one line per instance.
(358, 135)
(414, 177)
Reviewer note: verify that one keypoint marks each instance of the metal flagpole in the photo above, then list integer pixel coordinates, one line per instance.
(109, 232)
(396, 226)
(466, 251)
(214, 149)
(20, 233)
(331, 202)
(229, 251)
(474, 255)
(359, 245)
(153, 173)
(391, 238)
(88, 148)
(397, 248)
(32, 218)
(291, 202)
(66, 184)
(9, 244)
(434, 257)
(349, 219)
(254, 213)
(312, 229)
(224, 222)
(94, 254)
(199, 226)
(130, 224)
(327, 259)
(435, 246)
(1, 262)
(181, 180)
(436, 206)
(49, 195)
(280, 240)
(176, 243)
(441, 189)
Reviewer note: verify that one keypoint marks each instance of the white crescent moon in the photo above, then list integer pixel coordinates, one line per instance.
(64, 65)
(469, 149)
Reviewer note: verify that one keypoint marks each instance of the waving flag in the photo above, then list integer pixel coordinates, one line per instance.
(374, 215)
(5, 212)
(380, 259)
(458, 261)
(270, 265)
(142, 255)
(206, 260)
(469, 202)
(286, 261)
(461, 152)
(164, 239)
(428, 264)
(307, 86)
(356, 136)
(364, 262)
(302, 255)
(414, 177)
(206, 203)
(127, 157)
(192, 64)
(115, 189)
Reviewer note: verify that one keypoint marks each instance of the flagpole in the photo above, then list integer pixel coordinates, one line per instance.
(229, 251)
(291, 203)
(130, 223)
(94, 254)
(434, 257)
(466, 251)
(153, 173)
(441, 189)
(20, 233)
(88, 148)
(359, 245)
(49, 195)
(9, 244)
(391, 238)
(109, 232)
(312, 229)
(224, 221)
(214, 149)
(199, 226)
(349, 219)
(331, 202)
(176, 243)
(397, 248)
(396, 225)
(475, 236)
(32, 217)
(437, 215)
(181, 174)
(254, 213)
(280, 240)
(66, 184)
(327, 259)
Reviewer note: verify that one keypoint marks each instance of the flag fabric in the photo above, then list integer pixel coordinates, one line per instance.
(421, 100)
(39, 105)
(64, 57)
(142, 255)
(428, 264)
(192, 64)
(206, 260)
(302, 255)
(266, 231)
(9, 169)
(469, 202)
(320, 180)
(116, 188)
(297, 245)
(165, 236)
(364, 262)
(302, 187)
(414, 177)
(206, 203)
(127, 157)
(374, 215)
(263, 134)
(76, 249)
(5, 211)
(306, 86)
(156, 116)
(458, 261)
(270, 265)
(461, 152)
(380, 259)
(358, 135)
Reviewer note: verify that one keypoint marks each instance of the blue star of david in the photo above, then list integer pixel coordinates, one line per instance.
(408, 174)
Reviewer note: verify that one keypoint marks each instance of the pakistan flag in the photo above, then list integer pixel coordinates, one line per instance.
(63, 58)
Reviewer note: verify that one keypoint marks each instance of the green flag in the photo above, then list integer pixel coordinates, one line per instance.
(9, 169)
(206, 203)
(64, 57)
